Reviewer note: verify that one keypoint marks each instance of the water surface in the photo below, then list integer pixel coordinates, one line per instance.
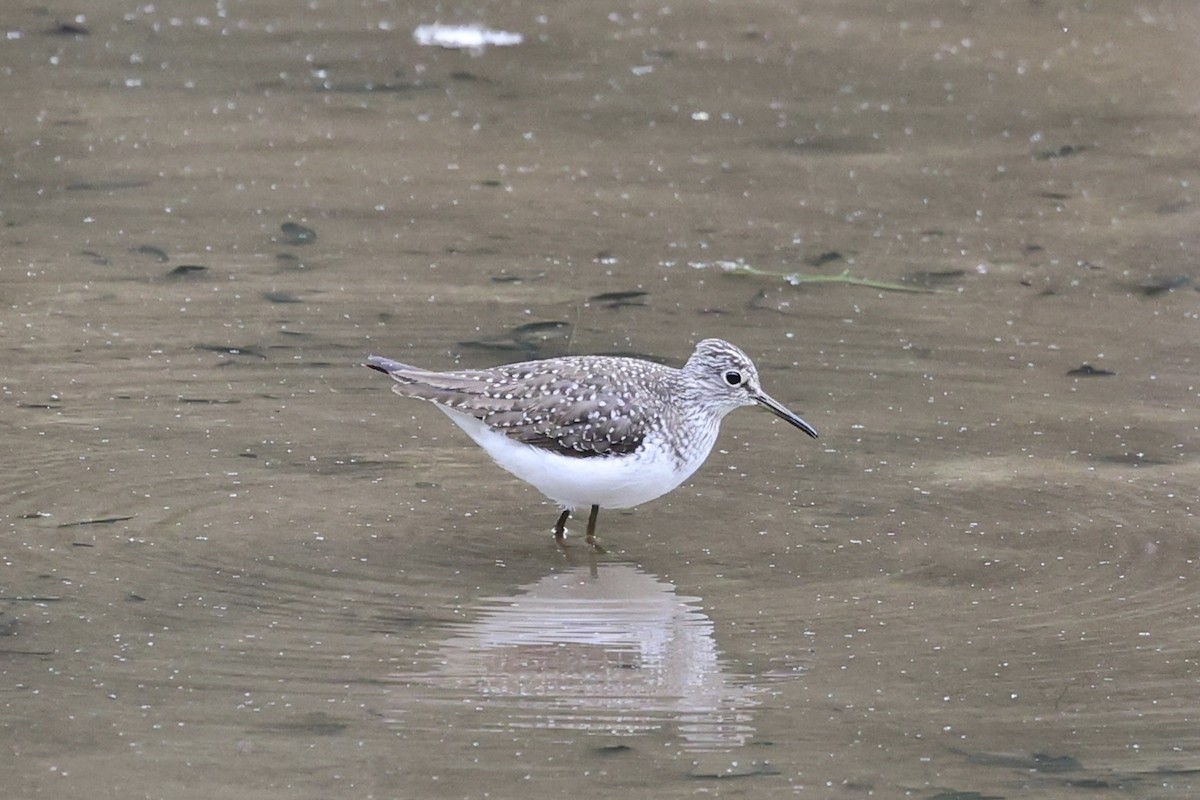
(235, 565)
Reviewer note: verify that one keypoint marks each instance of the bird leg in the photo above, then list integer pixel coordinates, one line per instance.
(591, 529)
(560, 529)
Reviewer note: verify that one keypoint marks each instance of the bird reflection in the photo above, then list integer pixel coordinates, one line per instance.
(610, 649)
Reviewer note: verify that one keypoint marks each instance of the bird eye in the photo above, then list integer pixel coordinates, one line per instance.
(733, 378)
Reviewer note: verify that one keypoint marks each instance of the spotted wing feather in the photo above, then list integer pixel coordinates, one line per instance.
(560, 407)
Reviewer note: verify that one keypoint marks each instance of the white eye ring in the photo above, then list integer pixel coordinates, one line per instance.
(733, 378)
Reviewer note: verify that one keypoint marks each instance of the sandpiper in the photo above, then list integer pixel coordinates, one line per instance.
(599, 431)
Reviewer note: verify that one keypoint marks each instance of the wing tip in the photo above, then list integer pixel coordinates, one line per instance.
(385, 365)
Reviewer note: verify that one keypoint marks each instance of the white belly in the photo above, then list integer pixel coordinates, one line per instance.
(608, 482)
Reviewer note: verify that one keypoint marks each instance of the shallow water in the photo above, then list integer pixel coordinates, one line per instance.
(235, 565)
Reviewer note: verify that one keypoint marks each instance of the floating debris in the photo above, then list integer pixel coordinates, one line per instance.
(529, 339)
(740, 267)
(540, 331)
(70, 29)
(294, 233)
(98, 521)
(821, 259)
(1088, 371)
(1033, 762)
(612, 749)
(228, 350)
(187, 271)
(964, 794)
(1136, 460)
(1061, 152)
(1163, 283)
(773, 299)
(104, 186)
(464, 37)
(157, 253)
(281, 297)
(497, 345)
(616, 300)
(316, 723)
(290, 262)
(366, 87)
